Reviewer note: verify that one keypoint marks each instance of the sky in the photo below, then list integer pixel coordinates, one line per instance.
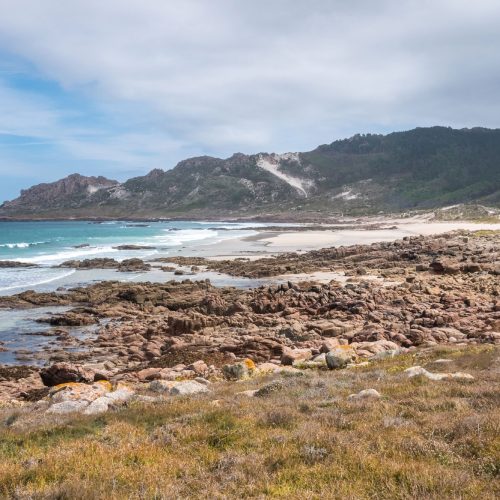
(119, 87)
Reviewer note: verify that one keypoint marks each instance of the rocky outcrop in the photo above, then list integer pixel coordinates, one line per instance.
(97, 263)
(5, 264)
(70, 192)
(62, 373)
(133, 247)
(450, 254)
(133, 265)
(127, 265)
(147, 332)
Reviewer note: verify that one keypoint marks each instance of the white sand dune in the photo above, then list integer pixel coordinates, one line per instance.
(272, 163)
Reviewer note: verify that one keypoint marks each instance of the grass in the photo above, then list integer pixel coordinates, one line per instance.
(302, 439)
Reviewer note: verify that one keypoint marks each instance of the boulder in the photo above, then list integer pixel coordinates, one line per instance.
(368, 349)
(67, 407)
(99, 405)
(271, 388)
(237, 371)
(149, 374)
(133, 265)
(14, 263)
(289, 356)
(199, 367)
(102, 404)
(76, 391)
(340, 357)
(188, 388)
(442, 266)
(61, 373)
(329, 345)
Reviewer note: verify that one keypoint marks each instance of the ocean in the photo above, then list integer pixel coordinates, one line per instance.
(49, 243)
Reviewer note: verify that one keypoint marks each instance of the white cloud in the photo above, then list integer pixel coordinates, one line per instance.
(225, 75)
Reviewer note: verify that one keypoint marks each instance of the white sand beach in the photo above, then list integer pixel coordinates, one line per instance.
(310, 240)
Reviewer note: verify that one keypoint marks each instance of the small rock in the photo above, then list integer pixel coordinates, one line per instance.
(202, 380)
(268, 368)
(238, 371)
(365, 394)
(270, 388)
(289, 356)
(187, 388)
(199, 367)
(248, 394)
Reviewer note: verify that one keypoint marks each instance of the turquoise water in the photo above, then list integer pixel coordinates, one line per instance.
(48, 244)
(21, 337)
(53, 242)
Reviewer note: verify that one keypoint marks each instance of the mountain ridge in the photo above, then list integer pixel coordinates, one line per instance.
(421, 168)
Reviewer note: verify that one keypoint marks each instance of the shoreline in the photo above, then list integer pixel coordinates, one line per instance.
(264, 243)
(384, 268)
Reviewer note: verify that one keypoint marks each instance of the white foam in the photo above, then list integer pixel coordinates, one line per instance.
(174, 238)
(36, 279)
(22, 244)
(235, 225)
(58, 257)
(230, 236)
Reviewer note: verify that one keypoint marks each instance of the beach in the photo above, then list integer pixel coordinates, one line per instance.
(215, 241)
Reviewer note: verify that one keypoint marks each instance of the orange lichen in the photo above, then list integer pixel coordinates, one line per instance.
(249, 364)
(344, 347)
(106, 384)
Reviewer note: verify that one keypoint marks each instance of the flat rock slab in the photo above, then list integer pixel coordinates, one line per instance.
(415, 371)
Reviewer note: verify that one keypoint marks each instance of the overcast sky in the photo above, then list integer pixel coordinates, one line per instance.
(118, 87)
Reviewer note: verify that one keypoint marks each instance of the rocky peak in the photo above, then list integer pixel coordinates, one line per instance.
(61, 192)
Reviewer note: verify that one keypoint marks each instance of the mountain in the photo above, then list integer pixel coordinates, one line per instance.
(71, 192)
(421, 168)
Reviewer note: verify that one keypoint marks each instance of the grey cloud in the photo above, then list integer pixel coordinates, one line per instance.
(267, 75)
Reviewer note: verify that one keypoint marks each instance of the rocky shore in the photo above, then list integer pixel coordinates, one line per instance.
(151, 338)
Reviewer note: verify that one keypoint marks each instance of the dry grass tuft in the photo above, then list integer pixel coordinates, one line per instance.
(300, 438)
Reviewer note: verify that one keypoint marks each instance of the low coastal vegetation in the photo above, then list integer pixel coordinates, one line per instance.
(299, 436)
